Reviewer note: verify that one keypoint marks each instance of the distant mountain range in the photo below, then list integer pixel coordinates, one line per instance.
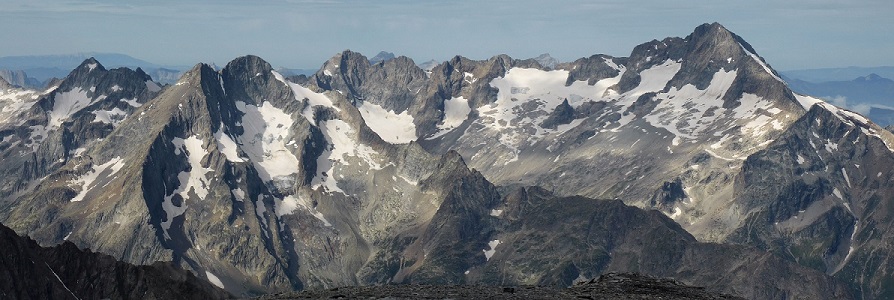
(838, 74)
(43, 67)
(36, 71)
(871, 94)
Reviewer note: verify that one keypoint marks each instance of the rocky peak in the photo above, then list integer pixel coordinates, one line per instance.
(592, 69)
(19, 78)
(714, 34)
(547, 61)
(429, 65)
(249, 65)
(250, 79)
(709, 53)
(343, 72)
(4, 84)
(84, 76)
(872, 78)
(391, 84)
(383, 56)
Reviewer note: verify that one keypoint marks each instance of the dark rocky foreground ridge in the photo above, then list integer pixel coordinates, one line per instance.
(28, 271)
(620, 286)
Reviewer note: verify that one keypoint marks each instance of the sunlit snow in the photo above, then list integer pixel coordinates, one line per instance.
(86, 181)
(456, 111)
(266, 132)
(390, 126)
(313, 98)
(132, 102)
(227, 146)
(290, 203)
(66, 104)
(341, 144)
(493, 249)
(114, 116)
(191, 180)
(214, 280)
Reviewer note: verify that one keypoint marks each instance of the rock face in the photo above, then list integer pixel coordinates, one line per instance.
(607, 236)
(28, 271)
(43, 132)
(19, 78)
(607, 286)
(372, 173)
(261, 183)
(381, 57)
(823, 203)
(690, 126)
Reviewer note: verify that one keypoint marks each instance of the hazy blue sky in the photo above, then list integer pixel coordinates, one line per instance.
(790, 34)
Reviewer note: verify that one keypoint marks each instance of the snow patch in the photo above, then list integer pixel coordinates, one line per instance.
(677, 213)
(214, 280)
(114, 116)
(132, 102)
(807, 101)
(313, 98)
(260, 208)
(526, 97)
(837, 193)
(290, 203)
(469, 77)
(192, 180)
(266, 131)
(87, 181)
(226, 145)
(655, 79)
(684, 111)
(239, 194)
(493, 249)
(456, 111)
(390, 126)
(341, 145)
(830, 147)
(762, 64)
(66, 104)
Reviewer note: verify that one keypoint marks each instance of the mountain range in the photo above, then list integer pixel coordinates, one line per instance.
(38, 71)
(690, 158)
(870, 95)
(837, 74)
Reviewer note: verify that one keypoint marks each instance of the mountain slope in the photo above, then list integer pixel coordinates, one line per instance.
(818, 194)
(43, 131)
(605, 236)
(370, 173)
(248, 177)
(601, 127)
(871, 95)
(675, 126)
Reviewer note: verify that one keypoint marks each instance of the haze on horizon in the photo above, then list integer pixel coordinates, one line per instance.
(796, 34)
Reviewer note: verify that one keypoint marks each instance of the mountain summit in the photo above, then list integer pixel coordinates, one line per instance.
(375, 172)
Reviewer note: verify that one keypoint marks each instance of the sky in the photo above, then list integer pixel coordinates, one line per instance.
(794, 34)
